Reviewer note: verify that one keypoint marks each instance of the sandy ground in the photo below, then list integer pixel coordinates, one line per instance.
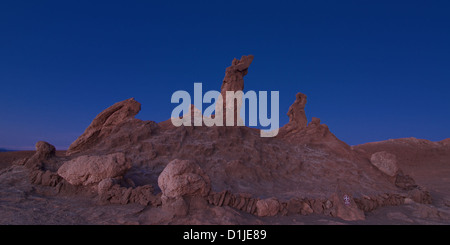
(24, 203)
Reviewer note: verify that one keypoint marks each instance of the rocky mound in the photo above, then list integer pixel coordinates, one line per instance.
(305, 169)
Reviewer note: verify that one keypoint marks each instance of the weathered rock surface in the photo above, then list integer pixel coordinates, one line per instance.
(183, 177)
(385, 162)
(86, 170)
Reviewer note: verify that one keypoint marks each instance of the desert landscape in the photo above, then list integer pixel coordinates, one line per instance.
(123, 170)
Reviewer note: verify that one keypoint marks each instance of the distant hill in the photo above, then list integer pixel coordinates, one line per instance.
(4, 150)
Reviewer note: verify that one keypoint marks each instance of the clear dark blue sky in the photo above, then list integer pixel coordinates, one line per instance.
(372, 70)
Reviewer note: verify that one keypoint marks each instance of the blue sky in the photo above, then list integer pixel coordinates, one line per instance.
(372, 70)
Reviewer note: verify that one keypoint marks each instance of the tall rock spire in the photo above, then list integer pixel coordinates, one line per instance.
(234, 81)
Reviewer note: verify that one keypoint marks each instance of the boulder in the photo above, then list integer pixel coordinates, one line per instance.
(267, 207)
(86, 170)
(385, 162)
(183, 177)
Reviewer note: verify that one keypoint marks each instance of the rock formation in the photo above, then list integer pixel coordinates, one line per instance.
(345, 206)
(234, 75)
(297, 116)
(232, 168)
(385, 162)
(297, 130)
(234, 81)
(44, 150)
(86, 170)
(42, 165)
(446, 142)
(111, 192)
(104, 124)
(267, 207)
(183, 177)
